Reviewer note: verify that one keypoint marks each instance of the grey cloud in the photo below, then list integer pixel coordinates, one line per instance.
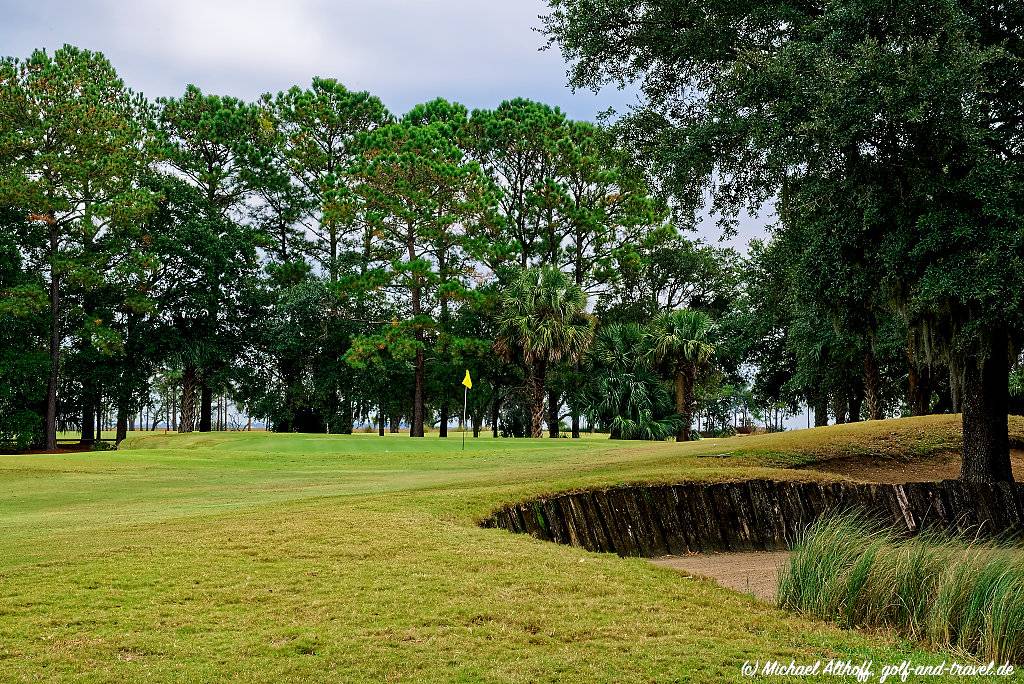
(406, 51)
(478, 52)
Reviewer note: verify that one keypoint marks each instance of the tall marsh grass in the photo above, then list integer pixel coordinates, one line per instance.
(949, 591)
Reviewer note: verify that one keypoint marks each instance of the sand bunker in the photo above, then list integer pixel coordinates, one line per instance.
(754, 572)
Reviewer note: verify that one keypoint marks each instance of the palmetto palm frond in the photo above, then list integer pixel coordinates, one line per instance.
(681, 338)
(620, 346)
(542, 315)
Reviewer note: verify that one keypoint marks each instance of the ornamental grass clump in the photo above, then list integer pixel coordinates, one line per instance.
(948, 591)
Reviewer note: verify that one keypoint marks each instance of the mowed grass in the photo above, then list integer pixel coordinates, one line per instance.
(276, 558)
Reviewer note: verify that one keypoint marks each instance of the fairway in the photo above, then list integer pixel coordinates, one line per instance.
(270, 557)
(259, 259)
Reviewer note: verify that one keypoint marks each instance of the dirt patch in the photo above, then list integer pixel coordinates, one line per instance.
(753, 572)
(892, 471)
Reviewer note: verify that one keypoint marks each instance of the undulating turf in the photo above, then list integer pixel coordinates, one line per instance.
(276, 558)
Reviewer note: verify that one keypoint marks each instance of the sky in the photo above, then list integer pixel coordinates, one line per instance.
(477, 52)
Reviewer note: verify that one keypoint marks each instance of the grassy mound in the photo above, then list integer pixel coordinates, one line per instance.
(950, 592)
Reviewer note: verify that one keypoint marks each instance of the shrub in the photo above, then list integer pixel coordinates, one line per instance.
(645, 427)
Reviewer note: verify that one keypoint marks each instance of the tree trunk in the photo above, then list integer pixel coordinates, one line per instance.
(50, 435)
(821, 410)
(395, 427)
(919, 384)
(575, 423)
(121, 431)
(416, 428)
(381, 421)
(985, 397)
(955, 387)
(442, 427)
(205, 406)
(855, 402)
(477, 419)
(872, 386)
(333, 238)
(839, 407)
(88, 415)
(919, 389)
(347, 416)
(536, 382)
(495, 409)
(187, 419)
(683, 434)
(553, 405)
(418, 409)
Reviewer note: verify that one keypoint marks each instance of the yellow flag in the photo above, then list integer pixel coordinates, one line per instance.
(467, 381)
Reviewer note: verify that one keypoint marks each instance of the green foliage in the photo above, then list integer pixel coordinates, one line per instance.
(679, 342)
(662, 270)
(678, 339)
(323, 262)
(23, 359)
(74, 151)
(317, 134)
(625, 393)
(542, 318)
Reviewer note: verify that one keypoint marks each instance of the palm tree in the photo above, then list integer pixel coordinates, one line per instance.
(542, 319)
(625, 389)
(679, 342)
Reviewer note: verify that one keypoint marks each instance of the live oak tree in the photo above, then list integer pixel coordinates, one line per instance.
(911, 109)
(73, 146)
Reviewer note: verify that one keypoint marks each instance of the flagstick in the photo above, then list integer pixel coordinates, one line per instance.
(465, 402)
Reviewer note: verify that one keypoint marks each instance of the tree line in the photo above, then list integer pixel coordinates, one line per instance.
(320, 260)
(325, 263)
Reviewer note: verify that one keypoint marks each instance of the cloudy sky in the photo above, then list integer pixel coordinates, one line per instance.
(478, 52)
